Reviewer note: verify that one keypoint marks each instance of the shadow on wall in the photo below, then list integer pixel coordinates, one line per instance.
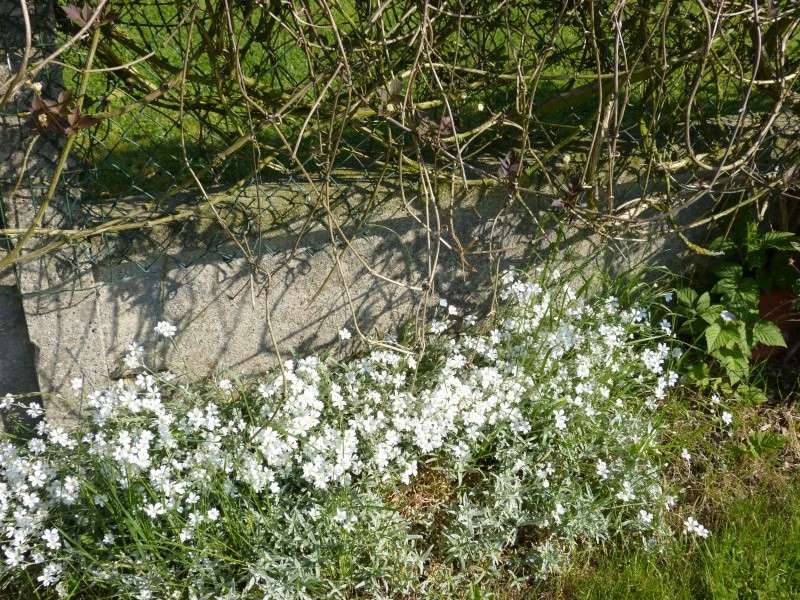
(17, 353)
(308, 288)
(376, 279)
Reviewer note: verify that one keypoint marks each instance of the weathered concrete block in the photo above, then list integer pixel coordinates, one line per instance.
(65, 323)
(221, 307)
(81, 314)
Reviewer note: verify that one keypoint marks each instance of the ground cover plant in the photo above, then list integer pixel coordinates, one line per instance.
(753, 554)
(493, 455)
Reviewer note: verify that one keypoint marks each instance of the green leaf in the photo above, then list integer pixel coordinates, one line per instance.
(768, 334)
(726, 287)
(729, 335)
(779, 240)
(699, 373)
(686, 296)
(750, 395)
(711, 315)
(729, 270)
(745, 339)
(722, 244)
(739, 293)
(761, 443)
(736, 366)
(752, 241)
(703, 302)
(747, 291)
(712, 336)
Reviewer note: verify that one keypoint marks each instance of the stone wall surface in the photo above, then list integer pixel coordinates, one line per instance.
(81, 316)
(82, 320)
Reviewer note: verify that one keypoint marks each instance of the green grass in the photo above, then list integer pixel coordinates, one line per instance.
(754, 552)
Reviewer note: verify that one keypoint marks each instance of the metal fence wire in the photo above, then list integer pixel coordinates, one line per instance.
(616, 114)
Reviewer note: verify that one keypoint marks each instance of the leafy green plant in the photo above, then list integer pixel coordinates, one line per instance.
(492, 457)
(764, 257)
(725, 318)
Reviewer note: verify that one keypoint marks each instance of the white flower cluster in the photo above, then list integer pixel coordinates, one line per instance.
(692, 526)
(541, 426)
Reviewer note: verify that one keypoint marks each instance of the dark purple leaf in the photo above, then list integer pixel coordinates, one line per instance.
(74, 14)
(64, 97)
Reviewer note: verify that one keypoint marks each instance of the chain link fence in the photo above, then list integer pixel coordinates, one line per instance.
(170, 100)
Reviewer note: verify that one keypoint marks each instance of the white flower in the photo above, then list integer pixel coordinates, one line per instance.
(665, 326)
(133, 357)
(154, 510)
(13, 556)
(558, 512)
(691, 525)
(561, 419)
(165, 329)
(727, 316)
(727, 418)
(50, 574)
(51, 538)
(654, 359)
(601, 468)
(340, 516)
(225, 385)
(37, 87)
(6, 401)
(212, 514)
(439, 326)
(34, 410)
(542, 474)
(344, 334)
(481, 107)
(686, 456)
(626, 493)
(667, 297)
(645, 517)
(36, 445)
(77, 383)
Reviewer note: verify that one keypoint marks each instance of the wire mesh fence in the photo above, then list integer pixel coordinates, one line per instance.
(618, 114)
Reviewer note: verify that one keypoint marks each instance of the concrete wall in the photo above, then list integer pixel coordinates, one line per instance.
(82, 314)
(81, 319)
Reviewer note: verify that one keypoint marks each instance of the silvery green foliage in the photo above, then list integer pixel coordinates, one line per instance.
(539, 434)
